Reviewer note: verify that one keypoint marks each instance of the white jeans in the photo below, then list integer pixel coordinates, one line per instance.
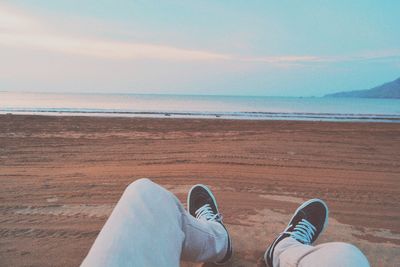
(290, 253)
(150, 227)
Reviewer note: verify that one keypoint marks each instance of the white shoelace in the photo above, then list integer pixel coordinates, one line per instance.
(302, 232)
(207, 213)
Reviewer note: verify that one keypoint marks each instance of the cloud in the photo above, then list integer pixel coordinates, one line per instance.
(104, 48)
(284, 59)
(12, 20)
(20, 30)
(365, 56)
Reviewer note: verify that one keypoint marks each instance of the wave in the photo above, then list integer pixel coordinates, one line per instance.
(219, 115)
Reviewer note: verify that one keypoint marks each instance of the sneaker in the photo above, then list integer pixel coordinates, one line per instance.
(307, 223)
(202, 205)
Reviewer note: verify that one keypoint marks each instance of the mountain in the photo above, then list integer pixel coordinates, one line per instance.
(387, 90)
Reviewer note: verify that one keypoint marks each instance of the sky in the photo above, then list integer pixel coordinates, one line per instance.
(225, 47)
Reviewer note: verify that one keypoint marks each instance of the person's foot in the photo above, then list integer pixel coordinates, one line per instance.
(307, 223)
(202, 205)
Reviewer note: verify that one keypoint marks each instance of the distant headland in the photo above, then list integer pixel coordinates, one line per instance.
(387, 90)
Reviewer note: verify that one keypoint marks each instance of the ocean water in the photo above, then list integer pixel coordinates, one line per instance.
(229, 107)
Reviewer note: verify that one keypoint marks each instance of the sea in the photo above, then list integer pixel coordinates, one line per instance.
(202, 106)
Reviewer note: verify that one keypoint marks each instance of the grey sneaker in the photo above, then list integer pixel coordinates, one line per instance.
(307, 223)
(201, 204)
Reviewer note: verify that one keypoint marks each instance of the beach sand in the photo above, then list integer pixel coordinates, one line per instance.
(61, 176)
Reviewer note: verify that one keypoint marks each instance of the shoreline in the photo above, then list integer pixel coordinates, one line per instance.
(60, 177)
(258, 116)
(216, 107)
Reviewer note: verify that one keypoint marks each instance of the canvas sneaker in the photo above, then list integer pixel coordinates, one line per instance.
(202, 205)
(307, 223)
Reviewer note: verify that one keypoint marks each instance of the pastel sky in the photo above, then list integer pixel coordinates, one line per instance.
(225, 47)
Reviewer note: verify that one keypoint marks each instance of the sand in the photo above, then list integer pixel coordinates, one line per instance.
(61, 176)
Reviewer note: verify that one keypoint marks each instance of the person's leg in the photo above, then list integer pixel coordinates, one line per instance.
(149, 227)
(203, 209)
(290, 252)
(293, 246)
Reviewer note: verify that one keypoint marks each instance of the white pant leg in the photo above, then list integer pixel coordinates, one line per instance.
(149, 227)
(204, 241)
(289, 253)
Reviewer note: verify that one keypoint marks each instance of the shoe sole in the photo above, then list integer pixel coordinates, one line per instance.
(216, 207)
(294, 214)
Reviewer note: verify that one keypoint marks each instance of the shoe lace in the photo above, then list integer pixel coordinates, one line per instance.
(302, 232)
(207, 213)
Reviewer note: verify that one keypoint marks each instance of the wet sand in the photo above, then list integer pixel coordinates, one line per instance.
(61, 176)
